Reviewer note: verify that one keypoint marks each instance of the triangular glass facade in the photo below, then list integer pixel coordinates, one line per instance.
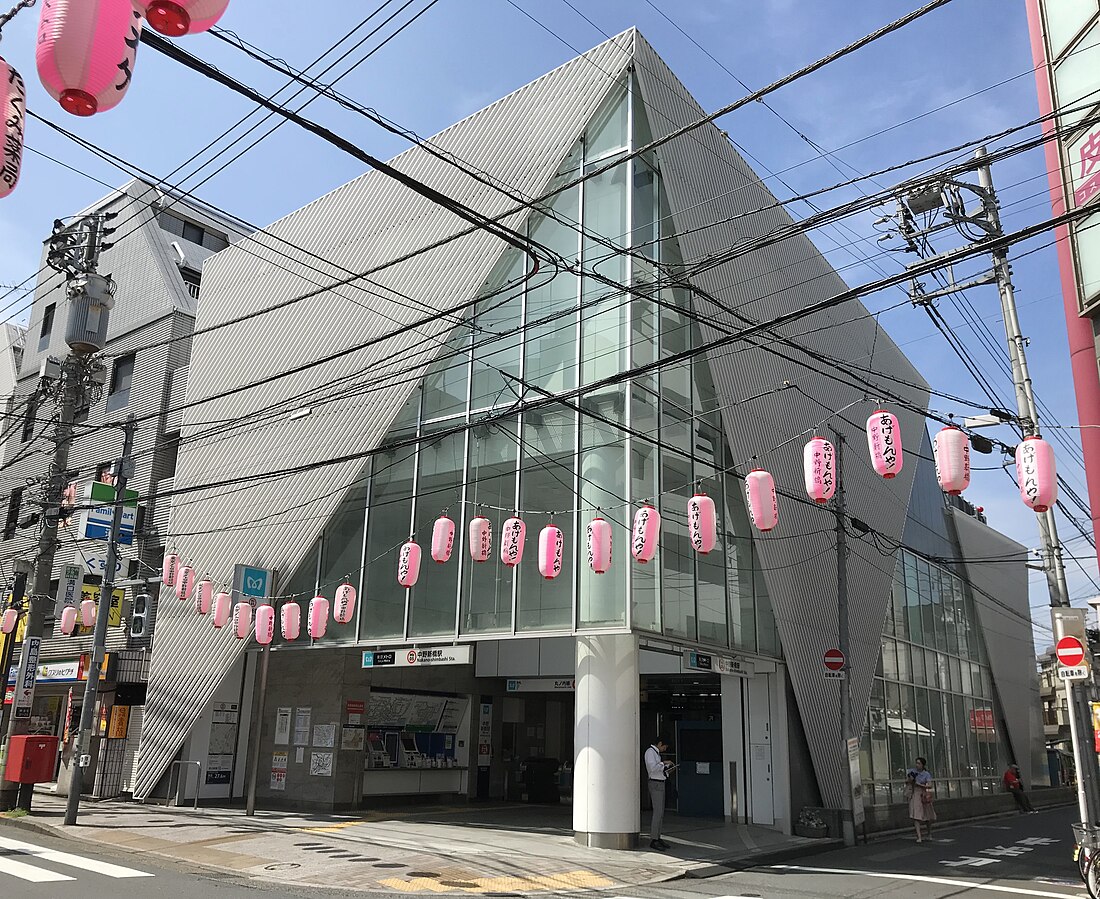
(657, 438)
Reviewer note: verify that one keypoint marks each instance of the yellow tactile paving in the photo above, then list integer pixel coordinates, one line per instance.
(530, 883)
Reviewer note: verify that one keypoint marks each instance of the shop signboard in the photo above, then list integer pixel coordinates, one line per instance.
(69, 587)
(95, 521)
(541, 685)
(25, 679)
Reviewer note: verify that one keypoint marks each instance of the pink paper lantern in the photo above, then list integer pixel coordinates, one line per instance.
(87, 613)
(318, 617)
(170, 569)
(443, 538)
(481, 539)
(551, 549)
(68, 620)
(9, 620)
(1035, 473)
(512, 536)
(702, 523)
(760, 493)
(204, 596)
(265, 625)
(599, 545)
(242, 620)
(647, 528)
(290, 617)
(185, 582)
(13, 107)
(86, 51)
(819, 467)
(884, 442)
(343, 603)
(175, 18)
(951, 451)
(408, 564)
(223, 607)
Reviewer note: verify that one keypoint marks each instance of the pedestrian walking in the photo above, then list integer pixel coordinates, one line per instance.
(919, 790)
(1016, 787)
(657, 771)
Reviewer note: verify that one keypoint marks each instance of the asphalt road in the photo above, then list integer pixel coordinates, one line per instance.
(1026, 856)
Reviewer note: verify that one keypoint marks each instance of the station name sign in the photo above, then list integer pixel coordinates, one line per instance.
(418, 658)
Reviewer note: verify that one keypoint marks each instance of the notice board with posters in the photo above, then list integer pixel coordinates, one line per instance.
(223, 743)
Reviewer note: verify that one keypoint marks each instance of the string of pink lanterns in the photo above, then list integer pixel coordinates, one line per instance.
(85, 55)
(951, 450)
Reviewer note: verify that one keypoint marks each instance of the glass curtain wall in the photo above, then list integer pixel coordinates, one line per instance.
(932, 695)
(656, 438)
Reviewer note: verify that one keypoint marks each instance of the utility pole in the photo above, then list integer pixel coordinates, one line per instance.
(1077, 702)
(99, 638)
(74, 382)
(18, 593)
(849, 813)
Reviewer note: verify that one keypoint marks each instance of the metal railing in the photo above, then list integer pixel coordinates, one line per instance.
(181, 784)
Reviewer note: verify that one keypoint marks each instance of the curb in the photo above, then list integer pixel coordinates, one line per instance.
(766, 857)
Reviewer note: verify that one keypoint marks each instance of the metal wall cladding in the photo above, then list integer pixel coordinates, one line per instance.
(375, 335)
(707, 183)
(1000, 591)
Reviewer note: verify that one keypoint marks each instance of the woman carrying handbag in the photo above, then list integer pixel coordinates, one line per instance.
(919, 791)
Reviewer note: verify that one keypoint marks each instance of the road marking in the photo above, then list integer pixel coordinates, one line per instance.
(920, 878)
(29, 872)
(72, 861)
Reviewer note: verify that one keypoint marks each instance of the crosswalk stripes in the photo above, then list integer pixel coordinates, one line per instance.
(11, 865)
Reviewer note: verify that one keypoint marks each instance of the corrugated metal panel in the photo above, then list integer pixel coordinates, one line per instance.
(520, 140)
(707, 181)
(1007, 631)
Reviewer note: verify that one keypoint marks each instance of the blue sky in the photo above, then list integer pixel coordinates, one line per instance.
(964, 70)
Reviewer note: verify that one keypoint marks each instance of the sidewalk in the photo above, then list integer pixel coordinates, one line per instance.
(440, 849)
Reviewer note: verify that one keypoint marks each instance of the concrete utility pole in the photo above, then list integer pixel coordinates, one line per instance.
(74, 251)
(1083, 750)
(849, 818)
(99, 638)
(23, 569)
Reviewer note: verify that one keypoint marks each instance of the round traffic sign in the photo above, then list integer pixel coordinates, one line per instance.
(1070, 652)
(833, 659)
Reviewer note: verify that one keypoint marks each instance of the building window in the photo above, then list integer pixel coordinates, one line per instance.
(47, 326)
(122, 375)
(29, 417)
(15, 501)
(191, 278)
(191, 232)
(167, 454)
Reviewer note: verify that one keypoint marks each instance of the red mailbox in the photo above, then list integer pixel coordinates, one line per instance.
(31, 760)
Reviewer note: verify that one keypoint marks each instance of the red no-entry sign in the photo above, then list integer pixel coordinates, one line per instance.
(833, 659)
(1070, 652)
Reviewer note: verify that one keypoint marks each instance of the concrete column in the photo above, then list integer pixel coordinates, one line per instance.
(606, 782)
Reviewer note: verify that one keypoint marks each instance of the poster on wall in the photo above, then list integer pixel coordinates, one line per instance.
(320, 764)
(859, 813)
(278, 771)
(453, 712)
(353, 737)
(485, 735)
(223, 743)
(302, 718)
(324, 735)
(282, 726)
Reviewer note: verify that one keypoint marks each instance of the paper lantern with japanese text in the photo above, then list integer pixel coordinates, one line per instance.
(204, 596)
(599, 545)
(68, 620)
(223, 608)
(408, 564)
(760, 493)
(443, 538)
(175, 18)
(170, 569)
(647, 530)
(951, 451)
(1036, 474)
(185, 582)
(551, 550)
(343, 603)
(13, 108)
(86, 51)
(9, 620)
(265, 624)
(819, 468)
(884, 443)
(481, 539)
(512, 536)
(317, 622)
(87, 612)
(702, 523)
(242, 620)
(290, 617)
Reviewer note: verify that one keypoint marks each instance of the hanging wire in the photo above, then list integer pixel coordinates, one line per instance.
(13, 12)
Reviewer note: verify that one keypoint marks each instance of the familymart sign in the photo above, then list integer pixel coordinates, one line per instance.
(95, 521)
